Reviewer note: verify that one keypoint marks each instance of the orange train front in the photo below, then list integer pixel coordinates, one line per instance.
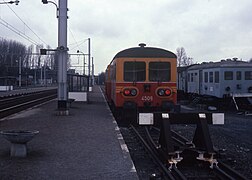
(142, 79)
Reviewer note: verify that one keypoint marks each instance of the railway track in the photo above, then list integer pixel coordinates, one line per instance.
(189, 167)
(10, 105)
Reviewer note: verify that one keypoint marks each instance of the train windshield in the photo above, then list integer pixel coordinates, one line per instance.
(134, 71)
(160, 71)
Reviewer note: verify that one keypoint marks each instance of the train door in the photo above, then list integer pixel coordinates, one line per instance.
(200, 81)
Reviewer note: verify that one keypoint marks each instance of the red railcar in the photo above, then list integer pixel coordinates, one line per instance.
(142, 79)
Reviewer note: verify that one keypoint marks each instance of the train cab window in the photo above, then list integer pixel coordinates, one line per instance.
(248, 75)
(134, 71)
(228, 75)
(160, 71)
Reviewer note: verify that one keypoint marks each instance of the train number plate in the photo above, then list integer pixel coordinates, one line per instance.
(147, 98)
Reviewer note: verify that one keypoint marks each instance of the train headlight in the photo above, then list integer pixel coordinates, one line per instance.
(133, 92)
(167, 92)
(126, 92)
(161, 92)
(130, 92)
(164, 92)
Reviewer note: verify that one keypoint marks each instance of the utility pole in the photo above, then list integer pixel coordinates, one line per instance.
(89, 57)
(45, 74)
(62, 55)
(62, 58)
(92, 71)
(41, 74)
(19, 72)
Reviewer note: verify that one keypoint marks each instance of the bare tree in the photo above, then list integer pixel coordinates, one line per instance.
(189, 61)
(11, 52)
(182, 58)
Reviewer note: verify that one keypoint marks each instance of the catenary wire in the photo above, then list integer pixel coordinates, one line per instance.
(26, 24)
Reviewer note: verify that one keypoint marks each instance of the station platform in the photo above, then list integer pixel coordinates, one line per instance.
(87, 144)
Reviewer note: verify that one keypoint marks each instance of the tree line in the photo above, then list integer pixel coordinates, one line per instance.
(12, 52)
(15, 56)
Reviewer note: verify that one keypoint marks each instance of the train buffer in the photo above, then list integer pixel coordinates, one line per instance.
(243, 103)
(201, 143)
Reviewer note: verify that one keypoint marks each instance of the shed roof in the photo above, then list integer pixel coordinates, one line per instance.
(221, 64)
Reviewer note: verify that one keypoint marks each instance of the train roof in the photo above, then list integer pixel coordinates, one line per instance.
(221, 64)
(142, 51)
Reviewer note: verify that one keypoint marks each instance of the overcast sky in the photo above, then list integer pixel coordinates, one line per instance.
(209, 30)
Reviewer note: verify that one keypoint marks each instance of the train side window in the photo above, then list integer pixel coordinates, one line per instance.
(206, 77)
(238, 75)
(134, 71)
(228, 75)
(160, 71)
(210, 77)
(113, 71)
(216, 77)
(248, 75)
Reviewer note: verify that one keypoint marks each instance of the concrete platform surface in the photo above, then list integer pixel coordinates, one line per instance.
(87, 144)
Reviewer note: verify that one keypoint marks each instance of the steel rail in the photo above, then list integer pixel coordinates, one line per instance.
(26, 102)
(21, 98)
(153, 155)
(229, 171)
(223, 171)
(222, 174)
(174, 170)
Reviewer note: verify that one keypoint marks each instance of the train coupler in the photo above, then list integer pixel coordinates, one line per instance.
(190, 144)
(213, 162)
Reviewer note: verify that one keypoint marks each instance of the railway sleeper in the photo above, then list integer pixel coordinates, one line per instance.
(201, 143)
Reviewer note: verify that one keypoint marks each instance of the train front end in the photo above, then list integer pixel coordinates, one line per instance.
(144, 80)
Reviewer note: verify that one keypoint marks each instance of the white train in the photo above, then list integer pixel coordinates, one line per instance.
(218, 79)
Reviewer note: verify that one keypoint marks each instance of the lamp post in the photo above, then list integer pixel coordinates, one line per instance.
(10, 2)
(62, 56)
